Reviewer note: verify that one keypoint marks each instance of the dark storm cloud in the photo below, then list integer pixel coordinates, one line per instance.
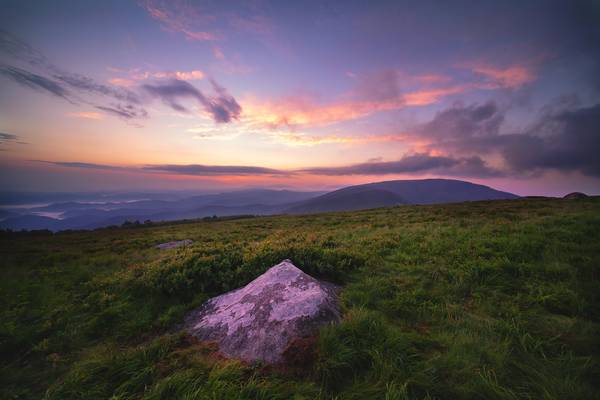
(410, 164)
(35, 81)
(565, 136)
(210, 170)
(222, 107)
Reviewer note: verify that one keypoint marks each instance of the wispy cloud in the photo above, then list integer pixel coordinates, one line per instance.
(180, 17)
(209, 170)
(135, 76)
(51, 79)
(301, 110)
(83, 165)
(512, 77)
(87, 115)
(86, 84)
(221, 106)
(126, 111)
(7, 139)
(35, 81)
(384, 90)
(171, 86)
(411, 164)
(175, 169)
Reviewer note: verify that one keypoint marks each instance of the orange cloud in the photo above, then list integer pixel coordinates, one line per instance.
(121, 82)
(192, 75)
(297, 139)
(298, 110)
(135, 76)
(86, 115)
(512, 77)
(430, 96)
(218, 53)
(432, 78)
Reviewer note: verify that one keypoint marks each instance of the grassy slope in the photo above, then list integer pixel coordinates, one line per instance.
(495, 300)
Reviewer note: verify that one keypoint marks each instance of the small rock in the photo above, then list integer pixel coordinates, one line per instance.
(172, 245)
(258, 321)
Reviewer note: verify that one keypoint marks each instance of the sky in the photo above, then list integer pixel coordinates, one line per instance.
(311, 95)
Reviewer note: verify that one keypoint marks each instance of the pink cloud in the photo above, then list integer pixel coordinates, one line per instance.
(136, 75)
(180, 17)
(218, 53)
(512, 77)
(87, 115)
(301, 110)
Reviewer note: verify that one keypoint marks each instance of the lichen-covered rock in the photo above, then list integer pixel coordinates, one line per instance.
(258, 321)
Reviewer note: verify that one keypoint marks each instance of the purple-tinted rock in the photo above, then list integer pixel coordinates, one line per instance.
(258, 321)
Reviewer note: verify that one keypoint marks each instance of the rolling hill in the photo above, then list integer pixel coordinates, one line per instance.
(389, 193)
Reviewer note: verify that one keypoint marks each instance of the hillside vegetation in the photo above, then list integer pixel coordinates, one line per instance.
(483, 300)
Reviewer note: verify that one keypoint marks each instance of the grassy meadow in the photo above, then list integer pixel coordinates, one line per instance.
(483, 300)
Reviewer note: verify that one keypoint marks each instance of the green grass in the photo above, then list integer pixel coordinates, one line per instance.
(485, 300)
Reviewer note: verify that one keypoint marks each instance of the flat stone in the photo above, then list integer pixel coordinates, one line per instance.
(258, 321)
(172, 245)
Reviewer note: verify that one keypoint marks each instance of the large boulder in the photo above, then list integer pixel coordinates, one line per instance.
(258, 321)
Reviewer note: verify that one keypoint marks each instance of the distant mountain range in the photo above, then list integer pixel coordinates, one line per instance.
(84, 211)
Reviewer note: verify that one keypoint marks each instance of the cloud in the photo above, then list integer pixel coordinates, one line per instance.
(35, 81)
(461, 122)
(126, 111)
(413, 163)
(180, 17)
(302, 110)
(222, 106)
(299, 139)
(211, 170)
(564, 137)
(15, 47)
(384, 90)
(512, 77)
(567, 140)
(5, 137)
(84, 83)
(86, 115)
(84, 165)
(122, 82)
(218, 53)
(136, 76)
(8, 139)
(57, 82)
